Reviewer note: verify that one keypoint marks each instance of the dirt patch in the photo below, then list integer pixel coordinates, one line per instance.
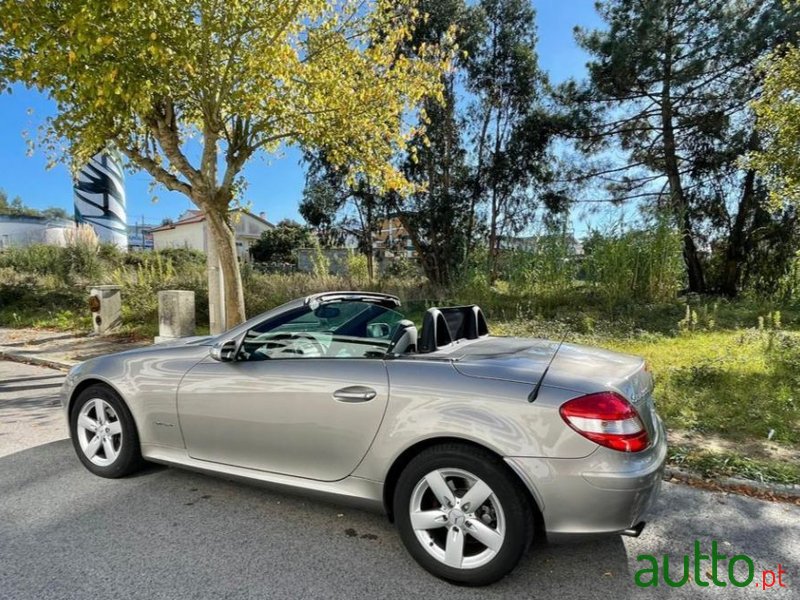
(713, 443)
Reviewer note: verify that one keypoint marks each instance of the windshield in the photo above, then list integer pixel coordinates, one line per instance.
(344, 329)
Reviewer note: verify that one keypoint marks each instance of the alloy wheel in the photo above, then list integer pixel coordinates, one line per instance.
(457, 518)
(99, 432)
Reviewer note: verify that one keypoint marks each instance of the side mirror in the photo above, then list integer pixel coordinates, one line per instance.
(378, 330)
(224, 351)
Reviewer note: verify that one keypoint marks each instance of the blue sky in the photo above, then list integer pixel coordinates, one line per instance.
(275, 183)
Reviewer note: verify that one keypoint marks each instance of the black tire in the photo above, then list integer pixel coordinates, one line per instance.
(129, 459)
(519, 514)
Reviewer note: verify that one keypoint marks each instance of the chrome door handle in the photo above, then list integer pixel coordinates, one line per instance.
(355, 393)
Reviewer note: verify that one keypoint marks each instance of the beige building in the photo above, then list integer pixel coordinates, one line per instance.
(191, 231)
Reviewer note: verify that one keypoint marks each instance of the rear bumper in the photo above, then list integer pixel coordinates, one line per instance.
(605, 492)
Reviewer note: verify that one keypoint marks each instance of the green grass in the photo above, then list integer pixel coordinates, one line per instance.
(740, 384)
(37, 318)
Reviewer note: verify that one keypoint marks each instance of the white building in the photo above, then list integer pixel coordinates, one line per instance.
(191, 231)
(23, 231)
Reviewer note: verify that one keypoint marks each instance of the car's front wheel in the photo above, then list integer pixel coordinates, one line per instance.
(104, 434)
(462, 515)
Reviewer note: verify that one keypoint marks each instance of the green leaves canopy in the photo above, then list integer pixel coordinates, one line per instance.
(778, 110)
(148, 76)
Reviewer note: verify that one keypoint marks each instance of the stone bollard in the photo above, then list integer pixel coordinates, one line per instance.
(175, 315)
(105, 302)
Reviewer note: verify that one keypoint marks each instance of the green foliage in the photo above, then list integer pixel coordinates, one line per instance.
(234, 78)
(46, 286)
(778, 110)
(322, 200)
(665, 118)
(116, 68)
(144, 274)
(321, 263)
(278, 245)
(511, 127)
(401, 268)
(788, 286)
(549, 269)
(75, 263)
(357, 269)
(639, 265)
(39, 259)
(741, 384)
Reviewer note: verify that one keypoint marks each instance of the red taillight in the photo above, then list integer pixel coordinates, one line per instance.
(607, 419)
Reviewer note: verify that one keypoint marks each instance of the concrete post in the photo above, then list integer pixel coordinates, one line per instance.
(175, 315)
(105, 302)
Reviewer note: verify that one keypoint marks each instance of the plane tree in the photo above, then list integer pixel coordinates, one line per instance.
(191, 90)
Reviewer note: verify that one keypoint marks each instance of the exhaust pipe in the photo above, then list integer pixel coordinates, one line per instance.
(634, 531)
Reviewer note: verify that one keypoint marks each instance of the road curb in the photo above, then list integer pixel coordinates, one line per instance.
(735, 484)
(22, 357)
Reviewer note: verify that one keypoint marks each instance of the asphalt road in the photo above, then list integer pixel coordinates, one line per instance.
(29, 409)
(167, 533)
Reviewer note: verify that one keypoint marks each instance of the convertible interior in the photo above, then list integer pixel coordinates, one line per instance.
(351, 329)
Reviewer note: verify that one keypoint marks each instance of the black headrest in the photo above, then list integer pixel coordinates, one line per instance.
(402, 326)
(443, 326)
(435, 332)
(405, 329)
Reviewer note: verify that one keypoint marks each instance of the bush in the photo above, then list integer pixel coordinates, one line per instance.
(635, 266)
(37, 259)
(278, 245)
(400, 267)
(357, 269)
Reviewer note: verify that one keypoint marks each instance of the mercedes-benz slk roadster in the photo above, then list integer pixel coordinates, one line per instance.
(468, 441)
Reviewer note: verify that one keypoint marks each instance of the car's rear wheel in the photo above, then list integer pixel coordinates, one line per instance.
(104, 434)
(462, 515)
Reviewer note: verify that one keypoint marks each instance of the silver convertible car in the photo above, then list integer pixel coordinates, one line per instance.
(471, 443)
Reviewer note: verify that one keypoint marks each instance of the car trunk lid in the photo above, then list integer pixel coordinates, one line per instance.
(510, 359)
(574, 367)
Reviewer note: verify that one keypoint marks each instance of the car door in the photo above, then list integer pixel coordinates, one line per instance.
(303, 415)
(313, 417)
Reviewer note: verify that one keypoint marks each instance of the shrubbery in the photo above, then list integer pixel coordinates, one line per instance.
(620, 273)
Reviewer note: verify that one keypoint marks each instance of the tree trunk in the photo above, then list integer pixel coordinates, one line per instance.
(735, 253)
(216, 304)
(678, 201)
(494, 234)
(223, 238)
(494, 250)
(694, 267)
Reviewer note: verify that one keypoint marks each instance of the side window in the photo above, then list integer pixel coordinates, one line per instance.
(347, 329)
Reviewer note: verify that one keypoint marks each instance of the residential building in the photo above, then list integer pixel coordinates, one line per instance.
(18, 230)
(392, 240)
(191, 231)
